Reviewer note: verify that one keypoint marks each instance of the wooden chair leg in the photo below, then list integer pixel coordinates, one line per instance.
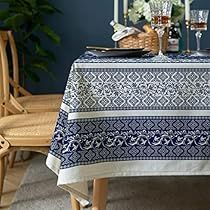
(12, 159)
(74, 203)
(2, 174)
(100, 188)
(6, 160)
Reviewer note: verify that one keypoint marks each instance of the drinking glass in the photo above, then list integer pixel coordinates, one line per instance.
(161, 19)
(199, 20)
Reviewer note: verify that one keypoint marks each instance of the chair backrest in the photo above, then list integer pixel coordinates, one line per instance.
(8, 38)
(10, 103)
(4, 68)
(15, 64)
(1, 92)
(14, 81)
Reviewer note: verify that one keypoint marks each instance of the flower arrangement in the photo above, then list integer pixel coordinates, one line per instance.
(140, 10)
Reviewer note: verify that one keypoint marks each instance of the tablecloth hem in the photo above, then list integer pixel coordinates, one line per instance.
(53, 163)
(133, 174)
(134, 168)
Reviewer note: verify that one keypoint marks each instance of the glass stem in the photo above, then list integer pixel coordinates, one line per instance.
(160, 33)
(198, 39)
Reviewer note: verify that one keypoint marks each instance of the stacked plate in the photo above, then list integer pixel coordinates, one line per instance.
(115, 52)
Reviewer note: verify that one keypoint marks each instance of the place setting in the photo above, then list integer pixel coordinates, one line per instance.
(160, 37)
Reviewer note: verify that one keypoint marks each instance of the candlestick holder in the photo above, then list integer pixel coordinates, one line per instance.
(187, 23)
(125, 15)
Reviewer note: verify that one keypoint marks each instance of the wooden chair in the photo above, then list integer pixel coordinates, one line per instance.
(29, 103)
(23, 100)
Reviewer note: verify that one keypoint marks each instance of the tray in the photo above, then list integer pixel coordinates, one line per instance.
(116, 52)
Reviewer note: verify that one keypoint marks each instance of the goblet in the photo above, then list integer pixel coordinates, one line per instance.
(199, 20)
(161, 19)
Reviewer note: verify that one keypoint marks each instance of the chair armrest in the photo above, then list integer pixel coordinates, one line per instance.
(13, 106)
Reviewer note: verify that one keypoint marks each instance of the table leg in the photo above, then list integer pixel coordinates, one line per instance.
(100, 188)
(74, 203)
(2, 173)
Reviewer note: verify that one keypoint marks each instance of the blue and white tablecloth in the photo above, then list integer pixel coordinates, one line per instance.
(132, 117)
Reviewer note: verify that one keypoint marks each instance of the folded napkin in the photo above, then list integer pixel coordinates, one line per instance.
(124, 33)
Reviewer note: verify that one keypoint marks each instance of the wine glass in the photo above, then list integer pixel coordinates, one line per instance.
(199, 20)
(161, 19)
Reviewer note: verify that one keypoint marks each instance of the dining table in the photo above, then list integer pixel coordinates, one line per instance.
(131, 116)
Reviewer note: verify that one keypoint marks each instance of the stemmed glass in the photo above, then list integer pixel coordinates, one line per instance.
(199, 20)
(161, 19)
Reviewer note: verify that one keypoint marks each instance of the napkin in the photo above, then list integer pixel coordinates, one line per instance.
(124, 33)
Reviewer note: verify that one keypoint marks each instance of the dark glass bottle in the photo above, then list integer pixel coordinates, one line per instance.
(174, 38)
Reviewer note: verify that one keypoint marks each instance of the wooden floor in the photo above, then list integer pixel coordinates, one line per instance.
(12, 181)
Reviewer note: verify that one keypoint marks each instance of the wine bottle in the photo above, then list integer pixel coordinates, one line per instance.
(121, 31)
(117, 26)
(174, 39)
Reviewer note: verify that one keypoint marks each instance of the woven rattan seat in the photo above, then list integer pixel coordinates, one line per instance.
(38, 103)
(31, 132)
(28, 125)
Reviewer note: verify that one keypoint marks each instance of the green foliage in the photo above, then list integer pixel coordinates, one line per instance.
(26, 19)
(177, 13)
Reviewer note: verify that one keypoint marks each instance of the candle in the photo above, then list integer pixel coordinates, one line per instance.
(116, 11)
(125, 6)
(187, 10)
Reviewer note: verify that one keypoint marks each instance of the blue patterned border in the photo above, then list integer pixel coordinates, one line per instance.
(101, 155)
(82, 142)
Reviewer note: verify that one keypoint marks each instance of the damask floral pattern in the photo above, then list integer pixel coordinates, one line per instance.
(182, 137)
(138, 89)
(83, 141)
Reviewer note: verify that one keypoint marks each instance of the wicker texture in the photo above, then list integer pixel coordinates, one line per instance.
(28, 125)
(41, 102)
(147, 40)
(30, 103)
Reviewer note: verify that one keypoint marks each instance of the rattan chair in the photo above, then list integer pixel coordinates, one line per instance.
(20, 131)
(29, 103)
(23, 100)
